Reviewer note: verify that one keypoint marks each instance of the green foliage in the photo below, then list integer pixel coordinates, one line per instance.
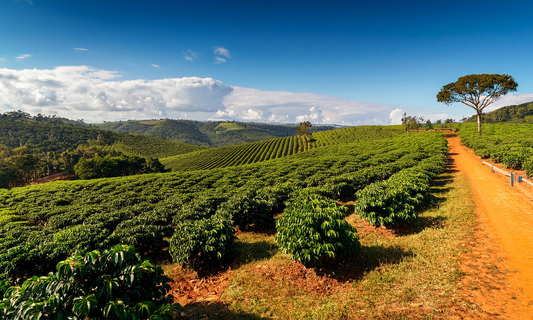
(396, 200)
(114, 284)
(41, 225)
(477, 91)
(313, 228)
(522, 113)
(274, 149)
(214, 134)
(32, 148)
(108, 166)
(506, 143)
(303, 129)
(203, 242)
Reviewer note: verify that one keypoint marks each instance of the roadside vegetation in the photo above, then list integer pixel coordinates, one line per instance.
(507, 143)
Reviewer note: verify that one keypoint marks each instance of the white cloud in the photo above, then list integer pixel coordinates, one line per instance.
(96, 95)
(23, 56)
(2, 59)
(396, 116)
(220, 51)
(284, 106)
(80, 49)
(221, 55)
(219, 60)
(508, 100)
(190, 55)
(155, 65)
(82, 92)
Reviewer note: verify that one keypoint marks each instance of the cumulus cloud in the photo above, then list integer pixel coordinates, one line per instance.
(96, 95)
(155, 65)
(220, 51)
(23, 56)
(80, 49)
(190, 55)
(82, 92)
(284, 106)
(396, 116)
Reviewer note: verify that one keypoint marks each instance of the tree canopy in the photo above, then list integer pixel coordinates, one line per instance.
(477, 91)
(303, 129)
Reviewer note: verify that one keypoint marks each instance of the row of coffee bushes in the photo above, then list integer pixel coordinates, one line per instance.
(508, 143)
(198, 210)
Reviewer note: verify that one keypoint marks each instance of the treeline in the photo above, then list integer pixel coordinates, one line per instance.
(88, 161)
(109, 166)
(18, 129)
(32, 147)
(522, 113)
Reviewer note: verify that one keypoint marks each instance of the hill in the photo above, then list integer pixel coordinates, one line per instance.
(522, 113)
(208, 134)
(273, 148)
(36, 135)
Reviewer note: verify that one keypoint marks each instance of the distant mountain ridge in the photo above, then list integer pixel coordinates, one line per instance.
(208, 134)
(521, 113)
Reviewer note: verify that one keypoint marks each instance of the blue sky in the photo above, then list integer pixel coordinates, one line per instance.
(350, 62)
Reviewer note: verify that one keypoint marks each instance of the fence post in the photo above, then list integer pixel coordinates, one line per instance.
(511, 179)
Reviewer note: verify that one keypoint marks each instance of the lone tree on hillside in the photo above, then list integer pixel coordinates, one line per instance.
(302, 130)
(477, 91)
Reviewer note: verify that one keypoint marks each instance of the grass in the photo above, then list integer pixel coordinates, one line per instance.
(400, 273)
(228, 126)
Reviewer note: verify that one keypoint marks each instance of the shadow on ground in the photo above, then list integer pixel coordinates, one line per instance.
(246, 252)
(356, 266)
(217, 310)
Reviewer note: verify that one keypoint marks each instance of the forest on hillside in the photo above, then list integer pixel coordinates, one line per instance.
(208, 134)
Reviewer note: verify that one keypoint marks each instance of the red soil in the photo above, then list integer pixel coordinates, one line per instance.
(503, 241)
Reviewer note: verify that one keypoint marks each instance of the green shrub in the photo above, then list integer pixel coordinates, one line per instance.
(246, 209)
(483, 153)
(114, 284)
(313, 228)
(395, 200)
(528, 166)
(203, 242)
(513, 159)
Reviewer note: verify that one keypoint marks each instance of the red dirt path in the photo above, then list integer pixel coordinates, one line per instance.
(506, 217)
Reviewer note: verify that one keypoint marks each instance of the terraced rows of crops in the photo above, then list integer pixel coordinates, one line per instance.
(42, 224)
(507, 143)
(273, 149)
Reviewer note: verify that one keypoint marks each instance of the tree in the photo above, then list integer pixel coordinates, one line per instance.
(477, 91)
(302, 130)
(411, 122)
(429, 124)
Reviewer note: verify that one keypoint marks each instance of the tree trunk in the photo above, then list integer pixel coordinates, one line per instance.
(479, 122)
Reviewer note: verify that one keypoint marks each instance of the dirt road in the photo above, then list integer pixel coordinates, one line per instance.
(508, 213)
